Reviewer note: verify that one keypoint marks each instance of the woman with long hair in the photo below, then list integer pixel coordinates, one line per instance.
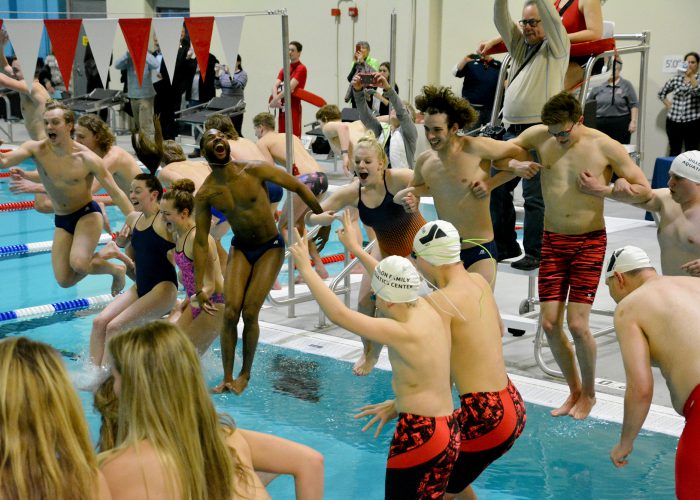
(170, 441)
(45, 449)
(373, 195)
(200, 323)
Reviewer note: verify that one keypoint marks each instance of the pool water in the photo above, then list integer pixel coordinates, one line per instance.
(311, 399)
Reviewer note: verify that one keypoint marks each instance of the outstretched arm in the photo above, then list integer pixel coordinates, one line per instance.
(349, 236)
(280, 456)
(96, 166)
(16, 156)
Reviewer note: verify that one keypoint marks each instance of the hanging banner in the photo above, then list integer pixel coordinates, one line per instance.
(200, 30)
(136, 33)
(167, 31)
(64, 34)
(230, 29)
(25, 35)
(100, 34)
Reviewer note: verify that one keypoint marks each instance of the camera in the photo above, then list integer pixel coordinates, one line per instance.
(476, 57)
(683, 67)
(367, 79)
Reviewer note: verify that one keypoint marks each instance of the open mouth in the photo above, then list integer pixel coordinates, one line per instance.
(51, 135)
(219, 148)
(134, 203)
(363, 175)
(169, 226)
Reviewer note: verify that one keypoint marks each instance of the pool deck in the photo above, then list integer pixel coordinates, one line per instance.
(626, 226)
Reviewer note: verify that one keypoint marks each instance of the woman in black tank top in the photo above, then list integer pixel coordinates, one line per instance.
(372, 193)
(148, 242)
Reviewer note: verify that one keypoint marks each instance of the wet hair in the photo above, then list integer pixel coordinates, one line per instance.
(561, 108)
(45, 448)
(172, 152)
(298, 45)
(434, 100)
(265, 119)
(694, 54)
(149, 152)
(178, 419)
(103, 135)
(152, 183)
(181, 193)
(68, 114)
(328, 113)
(222, 123)
(106, 403)
(369, 140)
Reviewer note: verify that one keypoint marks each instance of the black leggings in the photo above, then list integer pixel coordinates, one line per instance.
(682, 136)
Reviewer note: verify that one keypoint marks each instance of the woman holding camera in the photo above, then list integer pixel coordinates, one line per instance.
(683, 118)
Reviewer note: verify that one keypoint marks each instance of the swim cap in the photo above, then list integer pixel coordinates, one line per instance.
(627, 259)
(687, 165)
(438, 243)
(396, 280)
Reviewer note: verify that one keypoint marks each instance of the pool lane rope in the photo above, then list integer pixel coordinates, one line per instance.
(57, 307)
(41, 247)
(25, 205)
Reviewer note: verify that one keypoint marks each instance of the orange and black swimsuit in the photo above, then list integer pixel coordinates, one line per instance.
(395, 227)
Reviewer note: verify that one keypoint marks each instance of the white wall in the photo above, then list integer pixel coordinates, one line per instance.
(445, 31)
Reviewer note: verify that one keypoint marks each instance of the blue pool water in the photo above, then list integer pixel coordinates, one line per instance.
(311, 399)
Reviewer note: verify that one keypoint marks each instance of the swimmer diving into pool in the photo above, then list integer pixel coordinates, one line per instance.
(237, 189)
(67, 170)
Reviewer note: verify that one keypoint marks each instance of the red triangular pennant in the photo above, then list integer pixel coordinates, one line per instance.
(64, 34)
(200, 30)
(137, 33)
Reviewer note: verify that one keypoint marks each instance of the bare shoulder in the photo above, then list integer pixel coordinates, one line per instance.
(425, 158)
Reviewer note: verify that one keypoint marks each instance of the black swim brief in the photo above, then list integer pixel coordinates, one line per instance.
(474, 254)
(68, 222)
(253, 254)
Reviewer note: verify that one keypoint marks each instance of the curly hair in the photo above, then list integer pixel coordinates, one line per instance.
(103, 135)
(328, 113)
(222, 123)
(434, 100)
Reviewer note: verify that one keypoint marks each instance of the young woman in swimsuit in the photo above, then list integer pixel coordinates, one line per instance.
(201, 326)
(372, 193)
(147, 242)
(171, 443)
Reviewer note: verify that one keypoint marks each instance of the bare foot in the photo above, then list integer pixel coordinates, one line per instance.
(582, 408)
(566, 407)
(364, 365)
(118, 281)
(223, 387)
(112, 251)
(239, 385)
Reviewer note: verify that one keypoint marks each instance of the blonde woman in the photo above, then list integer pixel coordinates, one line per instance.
(170, 441)
(45, 449)
(373, 195)
(200, 323)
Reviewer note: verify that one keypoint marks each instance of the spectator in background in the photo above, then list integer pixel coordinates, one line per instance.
(380, 103)
(540, 51)
(297, 78)
(617, 106)
(233, 85)
(362, 63)
(141, 96)
(202, 90)
(93, 80)
(683, 118)
(55, 73)
(480, 73)
(168, 91)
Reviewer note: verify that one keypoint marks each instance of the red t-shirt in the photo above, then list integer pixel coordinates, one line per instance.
(296, 70)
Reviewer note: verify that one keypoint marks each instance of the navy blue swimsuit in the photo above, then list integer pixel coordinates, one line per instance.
(150, 256)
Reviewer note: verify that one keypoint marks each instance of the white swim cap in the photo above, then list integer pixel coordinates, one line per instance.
(396, 280)
(687, 165)
(438, 242)
(627, 259)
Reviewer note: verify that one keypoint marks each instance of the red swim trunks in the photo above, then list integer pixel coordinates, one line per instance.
(490, 423)
(421, 456)
(571, 265)
(687, 456)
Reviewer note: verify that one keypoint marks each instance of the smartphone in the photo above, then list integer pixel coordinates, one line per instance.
(367, 79)
(358, 47)
(476, 57)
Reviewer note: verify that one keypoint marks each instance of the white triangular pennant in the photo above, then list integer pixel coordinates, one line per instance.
(168, 30)
(25, 35)
(230, 29)
(100, 33)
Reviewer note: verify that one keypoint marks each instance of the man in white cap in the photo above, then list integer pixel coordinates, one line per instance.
(656, 322)
(677, 210)
(492, 412)
(426, 441)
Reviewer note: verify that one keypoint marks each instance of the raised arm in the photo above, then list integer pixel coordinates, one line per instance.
(505, 25)
(557, 37)
(11, 83)
(634, 348)
(96, 166)
(382, 330)
(366, 117)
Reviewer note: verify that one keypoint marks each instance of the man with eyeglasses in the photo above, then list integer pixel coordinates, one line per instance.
(576, 164)
(539, 47)
(656, 324)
